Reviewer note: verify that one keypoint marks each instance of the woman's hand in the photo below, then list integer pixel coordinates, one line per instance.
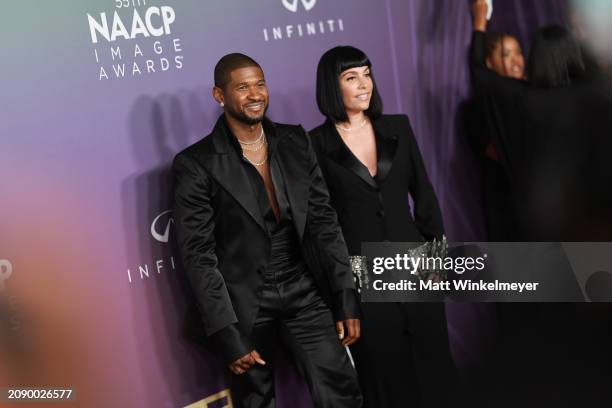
(479, 15)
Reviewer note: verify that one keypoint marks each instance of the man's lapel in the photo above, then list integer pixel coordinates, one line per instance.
(294, 167)
(226, 167)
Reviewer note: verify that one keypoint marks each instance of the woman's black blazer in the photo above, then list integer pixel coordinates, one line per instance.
(376, 209)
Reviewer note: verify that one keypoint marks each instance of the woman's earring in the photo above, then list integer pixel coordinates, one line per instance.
(221, 104)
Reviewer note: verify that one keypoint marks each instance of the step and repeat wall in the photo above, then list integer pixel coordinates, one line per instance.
(96, 99)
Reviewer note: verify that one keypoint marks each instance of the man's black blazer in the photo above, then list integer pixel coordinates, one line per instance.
(222, 237)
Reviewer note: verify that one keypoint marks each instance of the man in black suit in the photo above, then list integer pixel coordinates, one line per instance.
(262, 247)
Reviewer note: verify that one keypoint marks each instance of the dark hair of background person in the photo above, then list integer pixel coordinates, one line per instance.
(555, 58)
(495, 39)
(329, 95)
(229, 63)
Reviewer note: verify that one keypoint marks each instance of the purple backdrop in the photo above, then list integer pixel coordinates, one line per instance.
(85, 154)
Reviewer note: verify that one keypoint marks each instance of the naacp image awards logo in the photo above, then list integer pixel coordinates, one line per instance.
(134, 39)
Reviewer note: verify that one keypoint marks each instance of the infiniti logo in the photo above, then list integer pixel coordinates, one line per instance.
(165, 235)
(6, 270)
(292, 30)
(292, 5)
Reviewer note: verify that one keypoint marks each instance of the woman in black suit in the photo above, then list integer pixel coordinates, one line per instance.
(372, 163)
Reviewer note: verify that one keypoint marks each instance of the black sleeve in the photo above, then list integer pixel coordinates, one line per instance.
(231, 343)
(500, 104)
(427, 214)
(327, 236)
(479, 73)
(194, 219)
(482, 77)
(477, 51)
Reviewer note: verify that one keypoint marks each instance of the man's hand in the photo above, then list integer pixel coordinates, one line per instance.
(353, 328)
(245, 362)
(479, 14)
(434, 277)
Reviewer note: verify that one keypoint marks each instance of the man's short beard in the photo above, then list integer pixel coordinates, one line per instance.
(243, 118)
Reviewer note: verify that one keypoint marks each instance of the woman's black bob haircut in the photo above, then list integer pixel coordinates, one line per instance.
(329, 95)
(555, 59)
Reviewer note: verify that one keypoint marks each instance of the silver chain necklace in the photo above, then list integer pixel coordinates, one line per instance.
(254, 163)
(350, 129)
(265, 158)
(242, 142)
(254, 149)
